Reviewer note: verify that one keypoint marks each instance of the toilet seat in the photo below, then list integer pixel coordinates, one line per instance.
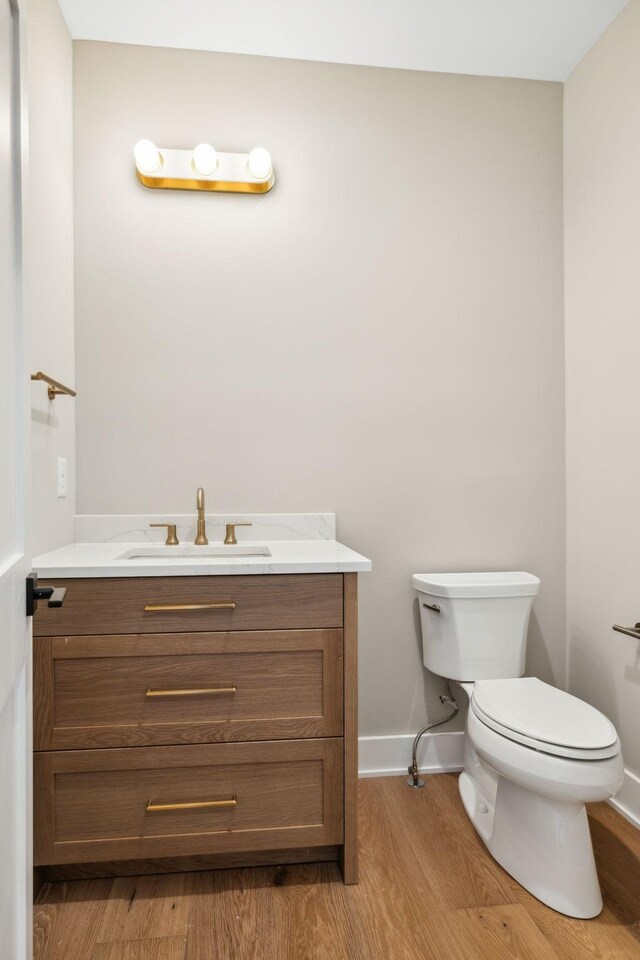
(543, 718)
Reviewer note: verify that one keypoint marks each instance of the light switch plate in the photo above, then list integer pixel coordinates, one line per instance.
(62, 476)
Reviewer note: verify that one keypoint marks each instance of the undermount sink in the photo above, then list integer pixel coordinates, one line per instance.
(190, 552)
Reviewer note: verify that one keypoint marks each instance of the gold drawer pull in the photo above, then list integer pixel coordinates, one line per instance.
(167, 607)
(195, 692)
(202, 805)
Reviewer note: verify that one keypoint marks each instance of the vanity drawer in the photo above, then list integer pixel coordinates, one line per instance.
(175, 801)
(190, 604)
(116, 691)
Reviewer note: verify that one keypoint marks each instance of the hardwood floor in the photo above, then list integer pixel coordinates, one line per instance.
(428, 888)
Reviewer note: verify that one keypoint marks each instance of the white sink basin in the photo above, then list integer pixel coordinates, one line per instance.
(189, 552)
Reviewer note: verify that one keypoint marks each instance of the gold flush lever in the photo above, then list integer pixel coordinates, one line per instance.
(230, 537)
(432, 606)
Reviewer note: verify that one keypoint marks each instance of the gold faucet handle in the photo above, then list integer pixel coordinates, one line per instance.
(230, 537)
(172, 538)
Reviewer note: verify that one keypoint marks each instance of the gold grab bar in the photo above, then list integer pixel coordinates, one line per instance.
(218, 605)
(55, 388)
(160, 807)
(630, 631)
(189, 693)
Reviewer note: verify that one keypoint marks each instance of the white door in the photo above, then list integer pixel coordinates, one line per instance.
(15, 629)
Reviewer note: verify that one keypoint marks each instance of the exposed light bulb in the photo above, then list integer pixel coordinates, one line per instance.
(259, 163)
(148, 157)
(205, 159)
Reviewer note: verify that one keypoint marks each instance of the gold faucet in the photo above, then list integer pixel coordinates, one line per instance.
(201, 533)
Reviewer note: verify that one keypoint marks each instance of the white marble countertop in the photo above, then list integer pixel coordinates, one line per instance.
(306, 549)
(287, 556)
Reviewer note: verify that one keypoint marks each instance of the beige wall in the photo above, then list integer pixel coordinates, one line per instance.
(49, 268)
(602, 256)
(380, 336)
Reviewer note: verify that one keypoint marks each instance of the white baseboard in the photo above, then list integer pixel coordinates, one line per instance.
(390, 756)
(444, 753)
(627, 799)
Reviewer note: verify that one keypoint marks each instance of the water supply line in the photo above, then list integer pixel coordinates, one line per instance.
(414, 774)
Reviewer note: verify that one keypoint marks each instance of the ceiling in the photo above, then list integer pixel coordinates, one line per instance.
(534, 39)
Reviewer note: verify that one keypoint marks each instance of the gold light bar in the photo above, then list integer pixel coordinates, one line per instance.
(163, 168)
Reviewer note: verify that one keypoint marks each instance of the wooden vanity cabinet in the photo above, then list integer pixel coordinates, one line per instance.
(210, 717)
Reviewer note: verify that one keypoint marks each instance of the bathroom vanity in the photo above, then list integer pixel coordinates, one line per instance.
(196, 711)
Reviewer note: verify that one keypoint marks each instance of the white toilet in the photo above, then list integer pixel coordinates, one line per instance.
(534, 755)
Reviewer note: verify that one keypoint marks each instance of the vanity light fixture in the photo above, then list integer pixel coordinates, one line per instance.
(203, 169)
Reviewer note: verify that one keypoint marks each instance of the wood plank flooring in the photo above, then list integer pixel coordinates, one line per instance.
(428, 889)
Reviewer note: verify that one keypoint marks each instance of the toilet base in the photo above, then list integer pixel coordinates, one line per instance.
(544, 844)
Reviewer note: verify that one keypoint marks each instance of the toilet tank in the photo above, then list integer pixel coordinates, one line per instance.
(474, 625)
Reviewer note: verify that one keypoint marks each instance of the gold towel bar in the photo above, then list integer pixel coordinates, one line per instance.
(55, 388)
(168, 607)
(159, 807)
(196, 691)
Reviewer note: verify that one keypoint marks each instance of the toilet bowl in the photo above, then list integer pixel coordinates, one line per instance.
(534, 755)
(525, 795)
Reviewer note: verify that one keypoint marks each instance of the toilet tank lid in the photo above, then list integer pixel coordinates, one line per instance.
(473, 585)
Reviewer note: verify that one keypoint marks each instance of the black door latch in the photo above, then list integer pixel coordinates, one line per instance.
(55, 595)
